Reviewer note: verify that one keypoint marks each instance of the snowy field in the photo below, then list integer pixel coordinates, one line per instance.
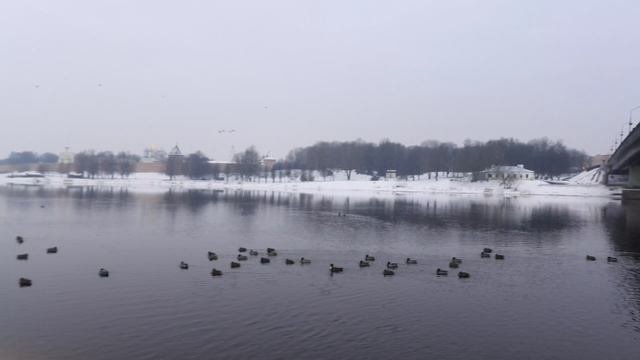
(582, 185)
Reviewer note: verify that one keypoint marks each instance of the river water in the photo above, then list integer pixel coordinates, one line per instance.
(544, 301)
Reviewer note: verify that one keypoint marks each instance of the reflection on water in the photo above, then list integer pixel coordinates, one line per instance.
(543, 301)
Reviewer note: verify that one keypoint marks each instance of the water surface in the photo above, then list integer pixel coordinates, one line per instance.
(545, 301)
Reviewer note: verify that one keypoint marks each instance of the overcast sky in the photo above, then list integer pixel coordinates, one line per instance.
(122, 75)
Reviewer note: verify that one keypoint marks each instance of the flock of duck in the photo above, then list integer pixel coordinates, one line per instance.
(454, 263)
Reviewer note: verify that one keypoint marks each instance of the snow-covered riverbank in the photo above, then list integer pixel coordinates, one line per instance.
(149, 182)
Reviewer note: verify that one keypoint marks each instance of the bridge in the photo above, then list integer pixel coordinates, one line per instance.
(626, 160)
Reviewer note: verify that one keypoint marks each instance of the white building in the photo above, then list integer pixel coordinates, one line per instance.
(66, 157)
(391, 174)
(268, 162)
(517, 172)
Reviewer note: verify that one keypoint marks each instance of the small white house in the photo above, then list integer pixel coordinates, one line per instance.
(391, 174)
(517, 172)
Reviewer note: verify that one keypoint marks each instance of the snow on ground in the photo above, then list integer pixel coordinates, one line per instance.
(591, 177)
(153, 182)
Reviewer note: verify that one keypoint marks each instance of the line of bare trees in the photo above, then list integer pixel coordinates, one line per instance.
(245, 165)
(544, 156)
(106, 163)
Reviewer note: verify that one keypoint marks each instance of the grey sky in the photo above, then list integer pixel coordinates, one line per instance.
(288, 73)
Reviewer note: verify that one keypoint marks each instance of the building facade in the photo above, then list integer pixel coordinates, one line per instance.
(517, 172)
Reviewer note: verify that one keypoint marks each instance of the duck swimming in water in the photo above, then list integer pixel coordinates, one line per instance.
(22, 257)
(264, 260)
(391, 265)
(19, 239)
(369, 258)
(441, 272)
(216, 272)
(242, 249)
(612, 259)
(364, 264)
(253, 252)
(24, 282)
(242, 257)
(52, 250)
(184, 265)
(304, 261)
(103, 272)
(411, 261)
(487, 250)
(499, 257)
(235, 265)
(289, 262)
(453, 264)
(212, 256)
(591, 258)
(485, 255)
(387, 272)
(464, 275)
(334, 269)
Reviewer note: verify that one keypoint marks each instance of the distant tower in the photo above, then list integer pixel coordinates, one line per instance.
(175, 151)
(174, 162)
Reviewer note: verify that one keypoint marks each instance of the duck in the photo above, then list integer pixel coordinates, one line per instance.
(52, 250)
(453, 264)
(335, 269)
(19, 239)
(24, 282)
(499, 257)
(391, 265)
(487, 250)
(411, 261)
(253, 252)
(485, 255)
(242, 257)
(441, 272)
(612, 259)
(212, 256)
(235, 265)
(456, 260)
(387, 272)
(289, 262)
(369, 258)
(364, 264)
(184, 265)
(22, 257)
(591, 258)
(216, 272)
(305, 261)
(272, 253)
(464, 275)
(271, 250)
(264, 260)
(103, 272)
(242, 249)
